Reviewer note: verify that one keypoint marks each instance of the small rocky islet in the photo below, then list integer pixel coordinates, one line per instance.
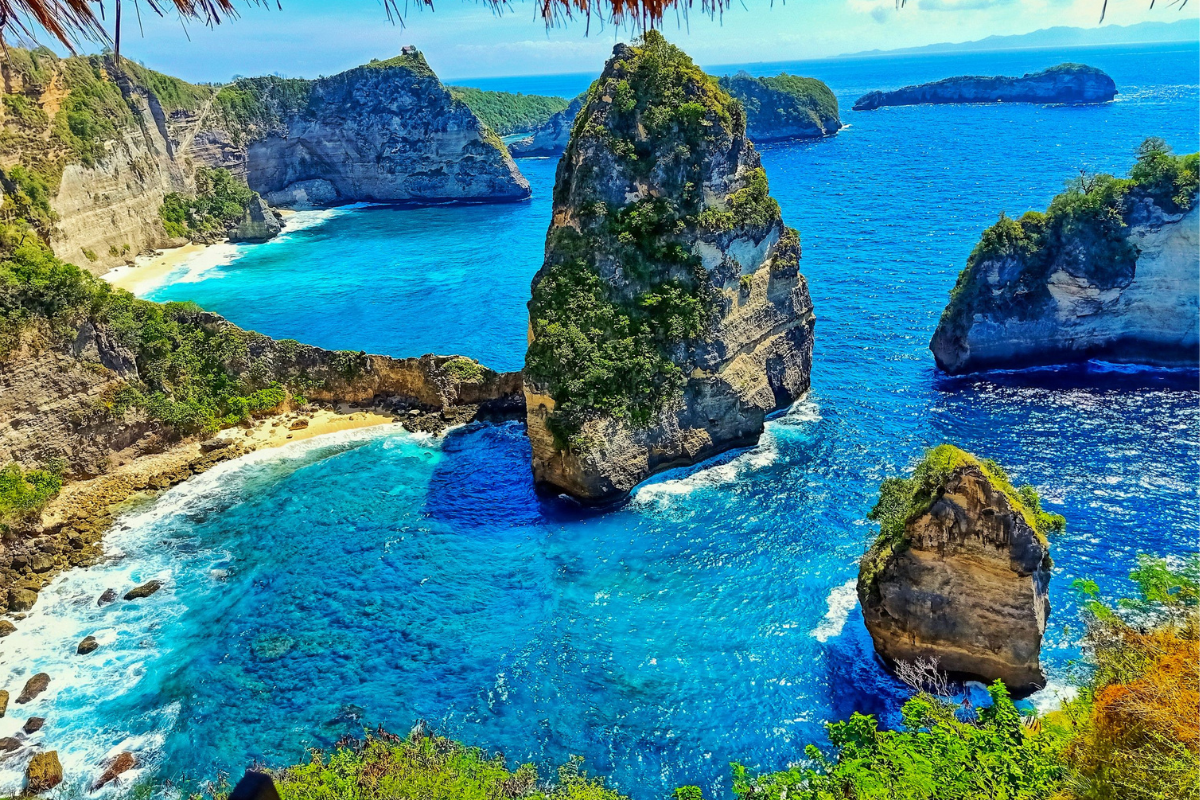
(1068, 84)
(960, 568)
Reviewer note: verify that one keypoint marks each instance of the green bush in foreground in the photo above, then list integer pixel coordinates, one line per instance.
(24, 492)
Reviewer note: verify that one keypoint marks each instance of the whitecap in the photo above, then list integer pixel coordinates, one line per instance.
(841, 602)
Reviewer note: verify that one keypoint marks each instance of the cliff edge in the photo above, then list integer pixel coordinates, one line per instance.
(670, 316)
(1072, 84)
(1110, 271)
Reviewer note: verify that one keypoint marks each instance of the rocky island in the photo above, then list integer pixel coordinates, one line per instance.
(1108, 272)
(100, 146)
(1071, 84)
(670, 316)
(780, 107)
(960, 571)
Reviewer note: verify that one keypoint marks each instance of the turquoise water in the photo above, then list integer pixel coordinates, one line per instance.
(381, 577)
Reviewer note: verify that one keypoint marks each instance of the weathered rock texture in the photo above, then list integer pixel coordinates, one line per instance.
(388, 131)
(1061, 299)
(551, 137)
(784, 106)
(1072, 84)
(260, 224)
(615, 392)
(965, 584)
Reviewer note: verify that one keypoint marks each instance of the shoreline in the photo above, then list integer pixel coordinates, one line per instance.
(152, 269)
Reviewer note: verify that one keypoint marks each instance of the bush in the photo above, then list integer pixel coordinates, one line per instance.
(24, 493)
(221, 200)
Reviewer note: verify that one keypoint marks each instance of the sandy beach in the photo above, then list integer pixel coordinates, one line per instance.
(152, 269)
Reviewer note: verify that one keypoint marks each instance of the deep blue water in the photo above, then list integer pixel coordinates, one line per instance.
(382, 577)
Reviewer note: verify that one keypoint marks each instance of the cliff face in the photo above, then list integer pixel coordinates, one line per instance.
(1067, 83)
(964, 582)
(385, 132)
(784, 106)
(670, 316)
(551, 137)
(1118, 284)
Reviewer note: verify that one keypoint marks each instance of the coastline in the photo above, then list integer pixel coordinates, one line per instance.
(150, 270)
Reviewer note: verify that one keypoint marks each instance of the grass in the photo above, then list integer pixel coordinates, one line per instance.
(23, 493)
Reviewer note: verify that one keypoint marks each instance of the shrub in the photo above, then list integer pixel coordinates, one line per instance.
(220, 201)
(24, 493)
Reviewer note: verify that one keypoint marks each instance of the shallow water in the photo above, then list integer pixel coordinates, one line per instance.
(378, 577)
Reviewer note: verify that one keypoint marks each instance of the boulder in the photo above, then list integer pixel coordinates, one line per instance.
(145, 590)
(959, 572)
(21, 599)
(674, 216)
(260, 223)
(33, 724)
(88, 645)
(34, 687)
(9, 744)
(109, 596)
(119, 765)
(6, 628)
(43, 773)
(3, 702)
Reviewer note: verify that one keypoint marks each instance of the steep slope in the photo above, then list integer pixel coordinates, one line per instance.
(669, 317)
(551, 137)
(784, 106)
(960, 571)
(1073, 84)
(1109, 272)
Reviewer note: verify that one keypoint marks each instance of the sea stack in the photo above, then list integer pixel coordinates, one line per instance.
(1109, 272)
(670, 316)
(1070, 84)
(960, 571)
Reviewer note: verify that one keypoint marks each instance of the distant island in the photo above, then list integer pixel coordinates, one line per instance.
(1184, 30)
(509, 112)
(1066, 83)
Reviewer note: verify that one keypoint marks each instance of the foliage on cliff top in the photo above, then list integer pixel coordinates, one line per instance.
(23, 493)
(608, 349)
(505, 112)
(783, 100)
(191, 378)
(904, 499)
(385, 766)
(172, 93)
(1084, 231)
(413, 62)
(252, 107)
(220, 200)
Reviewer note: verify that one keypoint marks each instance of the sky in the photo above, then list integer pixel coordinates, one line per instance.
(464, 39)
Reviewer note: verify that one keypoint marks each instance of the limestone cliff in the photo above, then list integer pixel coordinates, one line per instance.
(784, 106)
(1110, 272)
(670, 316)
(388, 131)
(960, 571)
(1072, 84)
(551, 137)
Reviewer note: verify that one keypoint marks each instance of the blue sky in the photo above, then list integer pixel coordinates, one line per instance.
(463, 39)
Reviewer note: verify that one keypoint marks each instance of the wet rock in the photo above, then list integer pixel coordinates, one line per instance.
(145, 590)
(3, 702)
(109, 596)
(33, 724)
(9, 745)
(88, 645)
(121, 764)
(21, 599)
(43, 773)
(260, 223)
(33, 687)
(6, 628)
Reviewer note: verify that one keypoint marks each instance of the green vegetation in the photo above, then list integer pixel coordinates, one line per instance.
(902, 499)
(413, 62)
(603, 352)
(173, 94)
(27, 200)
(193, 378)
(94, 111)
(221, 200)
(783, 102)
(23, 493)
(1087, 225)
(252, 107)
(464, 370)
(505, 112)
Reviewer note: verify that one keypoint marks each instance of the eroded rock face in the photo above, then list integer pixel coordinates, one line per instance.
(967, 586)
(784, 106)
(660, 203)
(1007, 313)
(551, 137)
(1073, 84)
(260, 224)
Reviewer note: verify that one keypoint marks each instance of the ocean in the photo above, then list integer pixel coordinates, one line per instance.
(380, 577)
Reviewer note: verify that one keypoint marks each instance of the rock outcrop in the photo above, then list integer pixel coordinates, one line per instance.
(551, 137)
(1118, 285)
(1071, 84)
(34, 687)
(784, 106)
(781, 107)
(43, 773)
(960, 571)
(670, 316)
(260, 224)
